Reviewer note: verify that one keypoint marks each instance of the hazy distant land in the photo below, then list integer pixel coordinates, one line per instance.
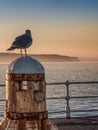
(8, 57)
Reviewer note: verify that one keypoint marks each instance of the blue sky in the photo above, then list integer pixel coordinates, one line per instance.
(58, 26)
(37, 9)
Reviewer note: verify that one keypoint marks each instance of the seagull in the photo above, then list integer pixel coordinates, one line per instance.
(22, 42)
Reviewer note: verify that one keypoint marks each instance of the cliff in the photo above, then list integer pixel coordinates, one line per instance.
(6, 57)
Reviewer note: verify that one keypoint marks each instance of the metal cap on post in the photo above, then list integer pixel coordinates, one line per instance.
(25, 65)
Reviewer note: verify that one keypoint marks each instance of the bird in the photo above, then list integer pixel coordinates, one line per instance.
(22, 42)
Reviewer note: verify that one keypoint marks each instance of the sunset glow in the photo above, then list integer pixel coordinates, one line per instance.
(66, 27)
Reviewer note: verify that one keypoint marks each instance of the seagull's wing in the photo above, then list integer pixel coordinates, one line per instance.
(22, 41)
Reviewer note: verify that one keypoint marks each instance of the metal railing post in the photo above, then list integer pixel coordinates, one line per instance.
(67, 100)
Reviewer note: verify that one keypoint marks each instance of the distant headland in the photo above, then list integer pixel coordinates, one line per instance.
(8, 57)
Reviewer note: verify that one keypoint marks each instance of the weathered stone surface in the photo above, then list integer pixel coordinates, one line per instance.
(27, 116)
(29, 77)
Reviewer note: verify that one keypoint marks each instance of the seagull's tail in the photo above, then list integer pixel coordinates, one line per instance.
(10, 49)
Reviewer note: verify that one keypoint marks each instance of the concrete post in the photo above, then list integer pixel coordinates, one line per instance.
(26, 97)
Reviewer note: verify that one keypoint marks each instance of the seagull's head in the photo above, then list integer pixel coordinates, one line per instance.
(28, 32)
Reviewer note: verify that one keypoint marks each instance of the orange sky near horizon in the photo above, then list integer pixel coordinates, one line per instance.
(79, 41)
(57, 31)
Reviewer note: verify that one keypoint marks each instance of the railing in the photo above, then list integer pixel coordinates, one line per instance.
(68, 97)
(67, 110)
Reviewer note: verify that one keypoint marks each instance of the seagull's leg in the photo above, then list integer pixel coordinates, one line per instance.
(21, 52)
(25, 52)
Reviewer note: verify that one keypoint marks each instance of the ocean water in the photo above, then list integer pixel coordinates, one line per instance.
(60, 72)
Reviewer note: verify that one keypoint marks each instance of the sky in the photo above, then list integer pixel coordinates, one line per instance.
(65, 27)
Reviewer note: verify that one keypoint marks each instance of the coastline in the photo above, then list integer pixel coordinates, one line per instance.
(8, 57)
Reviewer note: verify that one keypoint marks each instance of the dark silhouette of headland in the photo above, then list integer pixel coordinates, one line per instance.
(8, 57)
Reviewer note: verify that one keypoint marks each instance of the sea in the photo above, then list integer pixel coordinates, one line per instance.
(61, 72)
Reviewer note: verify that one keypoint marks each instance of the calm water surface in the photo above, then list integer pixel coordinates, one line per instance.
(60, 72)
